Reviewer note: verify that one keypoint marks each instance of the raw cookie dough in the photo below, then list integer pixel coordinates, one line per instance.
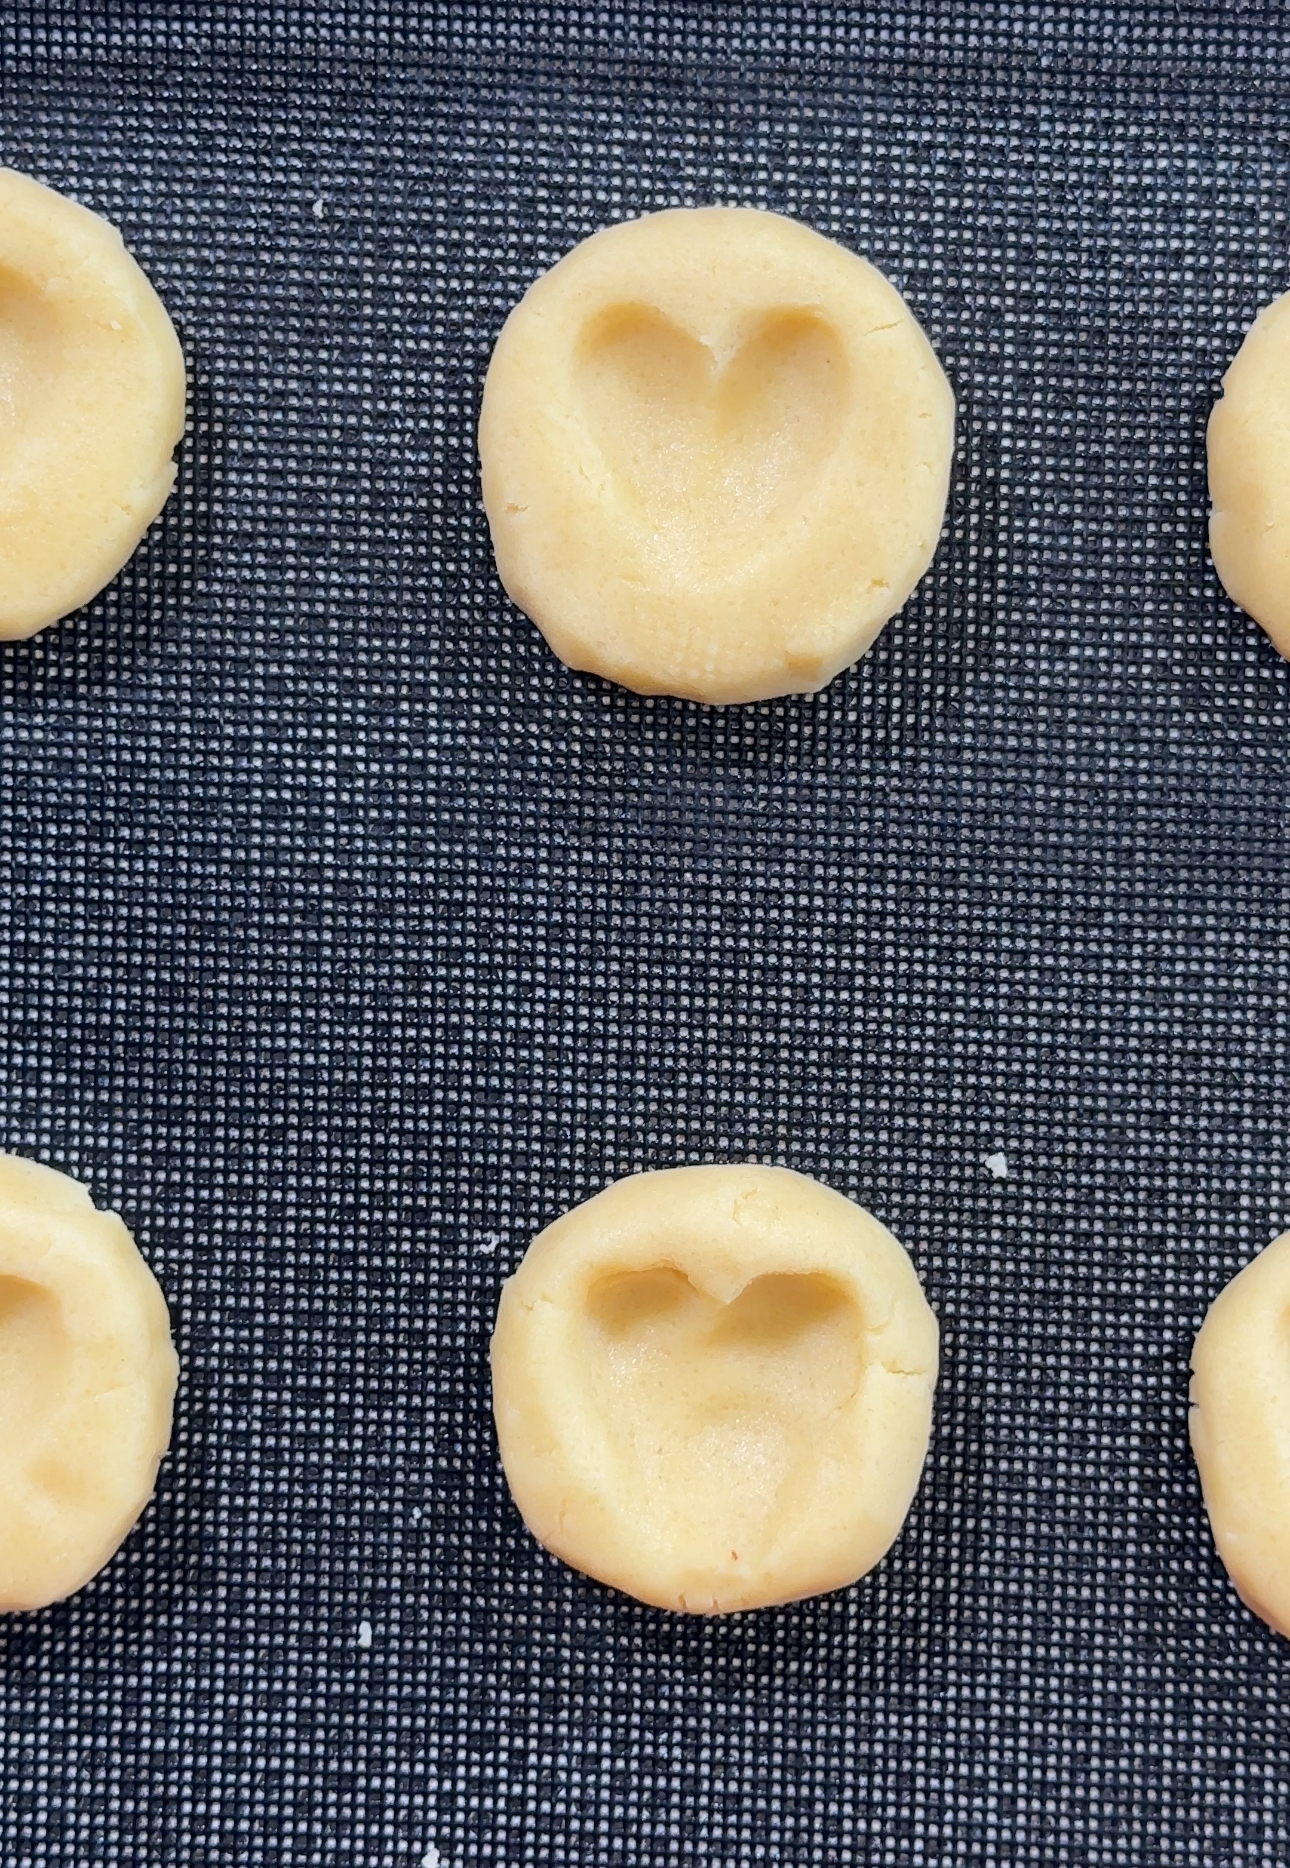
(91, 405)
(87, 1383)
(713, 1387)
(716, 448)
(1249, 475)
(1240, 1430)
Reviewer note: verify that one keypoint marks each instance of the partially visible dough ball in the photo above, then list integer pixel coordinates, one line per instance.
(1249, 475)
(87, 1384)
(1240, 1429)
(91, 405)
(713, 1387)
(716, 449)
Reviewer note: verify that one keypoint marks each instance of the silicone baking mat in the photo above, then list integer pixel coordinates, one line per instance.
(348, 938)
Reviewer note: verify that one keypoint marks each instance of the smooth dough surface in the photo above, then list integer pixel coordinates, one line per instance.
(87, 1384)
(1240, 1429)
(1249, 475)
(715, 449)
(713, 1387)
(91, 405)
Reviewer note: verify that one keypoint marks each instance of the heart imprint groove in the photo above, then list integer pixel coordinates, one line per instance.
(715, 1409)
(26, 347)
(712, 447)
(34, 1355)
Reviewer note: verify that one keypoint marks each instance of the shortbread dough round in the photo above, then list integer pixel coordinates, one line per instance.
(1240, 1429)
(87, 1384)
(716, 448)
(1249, 475)
(713, 1387)
(91, 405)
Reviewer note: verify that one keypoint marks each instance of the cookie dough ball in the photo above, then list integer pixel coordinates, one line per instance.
(1249, 475)
(713, 1387)
(1240, 1430)
(87, 1383)
(91, 405)
(716, 449)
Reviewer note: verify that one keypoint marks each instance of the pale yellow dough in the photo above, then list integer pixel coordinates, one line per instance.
(91, 405)
(1240, 1429)
(1249, 475)
(713, 1387)
(87, 1384)
(715, 449)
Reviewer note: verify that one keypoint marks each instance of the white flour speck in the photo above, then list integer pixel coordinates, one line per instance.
(365, 1634)
(998, 1165)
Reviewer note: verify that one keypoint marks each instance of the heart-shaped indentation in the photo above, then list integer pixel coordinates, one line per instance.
(711, 448)
(34, 1358)
(716, 1411)
(25, 345)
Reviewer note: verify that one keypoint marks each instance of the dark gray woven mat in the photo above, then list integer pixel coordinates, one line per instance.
(348, 938)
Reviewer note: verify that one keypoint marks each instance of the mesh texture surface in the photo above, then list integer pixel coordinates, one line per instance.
(349, 938)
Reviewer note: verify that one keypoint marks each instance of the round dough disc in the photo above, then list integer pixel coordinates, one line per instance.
(87, 1384)
(716, 449)
(1249, 475)
(713, 1387)
(91, 405)
(1240, 1430)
